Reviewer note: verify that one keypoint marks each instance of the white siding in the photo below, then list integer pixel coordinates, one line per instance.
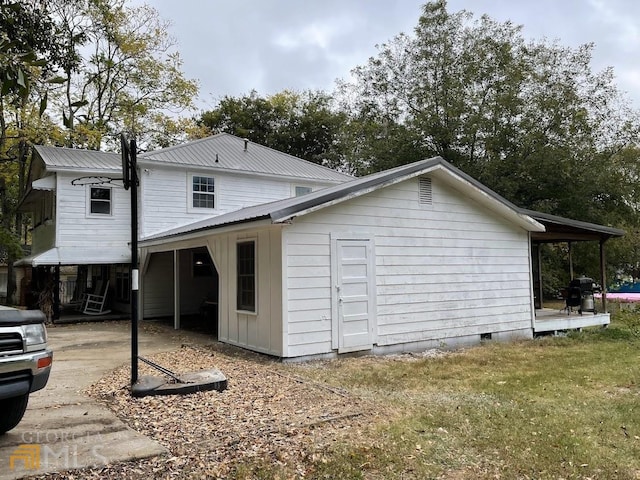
(261, 331)
(166, 199)
(446, 270)
(78, 229)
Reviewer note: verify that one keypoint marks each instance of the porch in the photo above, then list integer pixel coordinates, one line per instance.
(551, 320)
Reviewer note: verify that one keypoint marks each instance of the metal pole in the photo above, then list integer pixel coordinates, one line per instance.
(134, 260)
(570, 262)
(603, 275)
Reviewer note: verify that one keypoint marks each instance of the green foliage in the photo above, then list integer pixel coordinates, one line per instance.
(529, 119)
(129, 82)
(301, 124)
(10, 243)
(26, 33)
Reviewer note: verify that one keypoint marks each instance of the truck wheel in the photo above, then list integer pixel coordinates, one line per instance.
(12, 411)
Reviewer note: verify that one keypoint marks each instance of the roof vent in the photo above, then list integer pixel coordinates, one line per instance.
(425, 194)
(216, 158)
(246, 144)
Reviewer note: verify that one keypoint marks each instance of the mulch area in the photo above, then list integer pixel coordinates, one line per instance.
(267, 416)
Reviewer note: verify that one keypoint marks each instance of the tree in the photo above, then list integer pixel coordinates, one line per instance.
(28, 48)
(132, 79)
(302, 124)
(529, 119)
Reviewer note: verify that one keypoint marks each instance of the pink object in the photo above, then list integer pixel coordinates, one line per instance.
(623, 297)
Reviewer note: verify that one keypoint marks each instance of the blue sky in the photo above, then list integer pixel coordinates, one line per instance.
(272, 45)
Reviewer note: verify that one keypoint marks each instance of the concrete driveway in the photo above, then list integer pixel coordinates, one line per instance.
(65, 429)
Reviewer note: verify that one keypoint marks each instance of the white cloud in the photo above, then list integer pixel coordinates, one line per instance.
(320, 34)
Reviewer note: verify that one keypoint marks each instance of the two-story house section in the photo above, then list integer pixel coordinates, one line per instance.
(88, 225)
(217, 175)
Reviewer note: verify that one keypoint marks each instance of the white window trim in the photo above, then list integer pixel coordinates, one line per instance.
(88, 202)
(255, 274)
(216, 198)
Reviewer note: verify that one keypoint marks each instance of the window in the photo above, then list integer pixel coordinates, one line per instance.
(123, 284)
(203, 189)
(300, 190)
(246, 258)
(100, 201)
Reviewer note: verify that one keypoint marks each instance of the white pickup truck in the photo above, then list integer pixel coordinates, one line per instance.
(25, 362)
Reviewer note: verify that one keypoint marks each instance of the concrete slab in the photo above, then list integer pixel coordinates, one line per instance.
(64, 429)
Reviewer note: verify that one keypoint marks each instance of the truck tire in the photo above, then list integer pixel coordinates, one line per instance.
(12, 411)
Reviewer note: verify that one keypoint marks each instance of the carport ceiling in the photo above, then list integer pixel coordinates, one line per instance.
(560, 229)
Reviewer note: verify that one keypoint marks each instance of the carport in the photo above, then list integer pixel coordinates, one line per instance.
(564, 230)
(182, 283)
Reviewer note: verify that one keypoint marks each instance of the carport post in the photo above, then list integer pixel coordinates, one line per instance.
(603, 276)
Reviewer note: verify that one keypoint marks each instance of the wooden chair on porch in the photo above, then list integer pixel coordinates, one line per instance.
(94, 303)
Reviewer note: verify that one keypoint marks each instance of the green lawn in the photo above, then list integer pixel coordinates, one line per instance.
(548, 408)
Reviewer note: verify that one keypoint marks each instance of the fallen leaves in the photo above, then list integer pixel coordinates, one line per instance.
(268, 414)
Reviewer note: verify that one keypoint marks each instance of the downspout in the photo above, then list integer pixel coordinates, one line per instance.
(176, 289)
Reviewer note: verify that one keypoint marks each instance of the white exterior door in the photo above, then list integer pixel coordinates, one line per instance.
(354, 294)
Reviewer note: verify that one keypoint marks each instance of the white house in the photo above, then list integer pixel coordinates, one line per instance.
(76, 222)
(404, 259)
(295, 260)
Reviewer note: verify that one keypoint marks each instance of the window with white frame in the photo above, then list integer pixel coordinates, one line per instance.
(300, 190)
(203, 192)
(100, 201)
(246, 271)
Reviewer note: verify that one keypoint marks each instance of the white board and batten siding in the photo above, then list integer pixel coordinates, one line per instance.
(260, 331)
(166, 195)
(444, 270)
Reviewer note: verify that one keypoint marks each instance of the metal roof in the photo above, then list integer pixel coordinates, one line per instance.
(227, 152)
(283, 210)
(78, 256)
(560, 229)
(63, 158)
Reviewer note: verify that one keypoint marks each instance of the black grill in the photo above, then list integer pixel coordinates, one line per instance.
(10, 343)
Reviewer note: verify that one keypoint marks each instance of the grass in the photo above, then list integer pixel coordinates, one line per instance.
(564, 407)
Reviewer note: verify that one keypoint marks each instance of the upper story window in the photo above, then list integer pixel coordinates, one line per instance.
(203, 192)
(300, 190)
(100, 201)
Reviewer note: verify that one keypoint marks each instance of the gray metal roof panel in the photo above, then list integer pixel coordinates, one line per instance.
(56, 158)
(226, 152)
(578, 224)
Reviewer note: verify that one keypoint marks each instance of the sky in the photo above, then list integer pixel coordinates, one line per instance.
(235, 46)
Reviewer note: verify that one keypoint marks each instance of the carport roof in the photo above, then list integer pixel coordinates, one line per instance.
(560, 229)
